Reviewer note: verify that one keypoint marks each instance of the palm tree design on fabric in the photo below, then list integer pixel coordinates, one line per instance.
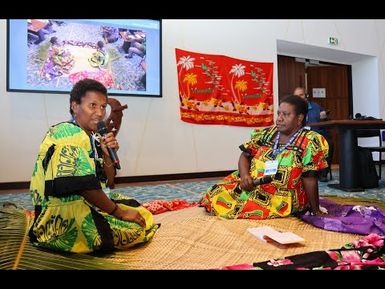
(187, 62)
(237, 70)
(240, 86)
(191, 80)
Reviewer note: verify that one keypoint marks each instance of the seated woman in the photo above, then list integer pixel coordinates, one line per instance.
(110, 34)
(59, 60)
(74, 210)
(290, 154)
(60, 56)
(100, 57)
(137, 48)
(133, 42)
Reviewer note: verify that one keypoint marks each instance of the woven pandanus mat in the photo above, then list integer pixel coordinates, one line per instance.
(192, 239)
(187, 239)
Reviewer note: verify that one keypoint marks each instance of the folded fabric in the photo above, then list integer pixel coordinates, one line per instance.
(161, 206)
(361, 220)
(363, 254)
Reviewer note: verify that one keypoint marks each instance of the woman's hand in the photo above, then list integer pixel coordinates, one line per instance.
(110, 141)
(320, 212)
(130, 215)
(247, 182)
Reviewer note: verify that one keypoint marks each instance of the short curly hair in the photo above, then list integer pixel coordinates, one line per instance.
(300, 105)
(82, 87)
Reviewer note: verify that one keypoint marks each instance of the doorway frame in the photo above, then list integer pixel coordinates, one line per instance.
(364, 89)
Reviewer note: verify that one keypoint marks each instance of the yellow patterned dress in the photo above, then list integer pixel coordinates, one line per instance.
(64, 220)
(305, 156)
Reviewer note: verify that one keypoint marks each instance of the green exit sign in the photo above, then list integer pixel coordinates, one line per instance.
(333, 40)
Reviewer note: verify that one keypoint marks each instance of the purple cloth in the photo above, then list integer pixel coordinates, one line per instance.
(356, 219)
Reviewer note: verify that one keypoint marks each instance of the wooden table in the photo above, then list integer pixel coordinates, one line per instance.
(349, 172)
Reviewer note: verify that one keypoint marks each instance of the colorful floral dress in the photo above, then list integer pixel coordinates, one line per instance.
(67, 164)
(363, 254)
(305, 156)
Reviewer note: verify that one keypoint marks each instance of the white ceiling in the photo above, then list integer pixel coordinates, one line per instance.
(318, 53)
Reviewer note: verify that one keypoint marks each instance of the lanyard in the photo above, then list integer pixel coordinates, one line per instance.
(277, 150)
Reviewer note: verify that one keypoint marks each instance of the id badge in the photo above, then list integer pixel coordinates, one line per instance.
(271, 168)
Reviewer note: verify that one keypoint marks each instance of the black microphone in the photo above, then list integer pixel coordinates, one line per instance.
(102, 129)
(263, 180)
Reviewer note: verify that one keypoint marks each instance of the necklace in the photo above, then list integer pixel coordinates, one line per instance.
(277, 149)
(95, 141)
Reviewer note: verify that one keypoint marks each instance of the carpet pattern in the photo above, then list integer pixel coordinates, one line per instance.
(192, 191)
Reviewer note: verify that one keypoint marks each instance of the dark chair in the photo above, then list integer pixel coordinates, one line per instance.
(370, 133)
(331, 145)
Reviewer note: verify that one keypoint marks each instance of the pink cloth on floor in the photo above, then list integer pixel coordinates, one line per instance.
(161, 206)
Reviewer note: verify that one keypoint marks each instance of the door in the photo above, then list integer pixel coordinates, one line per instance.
(335, 79)
(291, 74)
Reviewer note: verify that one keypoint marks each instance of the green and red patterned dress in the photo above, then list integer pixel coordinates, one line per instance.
(305, 156)
(67, 164)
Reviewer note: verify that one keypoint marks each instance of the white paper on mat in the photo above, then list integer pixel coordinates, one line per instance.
(280, 237)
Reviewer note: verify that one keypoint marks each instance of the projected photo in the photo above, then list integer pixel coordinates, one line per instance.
(61, 52)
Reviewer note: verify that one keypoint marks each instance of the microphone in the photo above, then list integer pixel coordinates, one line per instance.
(264, 180)
(102, 129)
(261, 181)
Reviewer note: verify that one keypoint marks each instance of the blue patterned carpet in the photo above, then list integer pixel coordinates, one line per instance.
(191, 191)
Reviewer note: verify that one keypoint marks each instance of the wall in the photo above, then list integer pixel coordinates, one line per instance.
(153, 139)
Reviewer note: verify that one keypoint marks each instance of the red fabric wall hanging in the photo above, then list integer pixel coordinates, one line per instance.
(217, 89)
